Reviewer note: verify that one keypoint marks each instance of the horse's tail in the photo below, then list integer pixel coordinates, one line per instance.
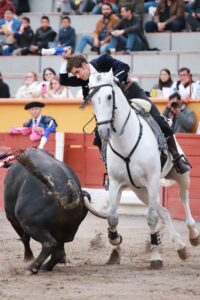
(25, 160)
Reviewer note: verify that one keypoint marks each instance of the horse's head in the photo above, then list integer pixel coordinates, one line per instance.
(102, 98)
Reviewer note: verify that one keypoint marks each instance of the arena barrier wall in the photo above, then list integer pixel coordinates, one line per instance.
(66, 112)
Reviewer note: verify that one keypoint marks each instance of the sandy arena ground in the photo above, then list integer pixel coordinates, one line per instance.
(87, 276)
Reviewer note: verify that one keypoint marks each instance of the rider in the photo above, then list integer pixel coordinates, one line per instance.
(81, 69)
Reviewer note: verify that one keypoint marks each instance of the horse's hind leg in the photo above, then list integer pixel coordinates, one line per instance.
(25, 238)
(184, 182)
(176, 238)
(115, 192)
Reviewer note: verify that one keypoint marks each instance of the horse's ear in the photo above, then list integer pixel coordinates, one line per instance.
(110, 73)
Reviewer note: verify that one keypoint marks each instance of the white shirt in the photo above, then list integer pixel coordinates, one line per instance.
(184, 91)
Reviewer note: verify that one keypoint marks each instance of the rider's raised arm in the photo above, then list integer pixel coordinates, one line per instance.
(66, 78)
(106, 62)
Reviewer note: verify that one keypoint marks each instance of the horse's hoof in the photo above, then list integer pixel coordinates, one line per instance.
(28, 273)
(28, 259)
(156, 264)
(31, 271)
(117, 241)
(183, 253)
(195, 242)
(114, 258)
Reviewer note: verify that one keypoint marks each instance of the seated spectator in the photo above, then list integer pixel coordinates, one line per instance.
(24, 38)
(30, 88)
(48, 74)
(185, 85)
(164, 83)
(21, 6)
(67, 34)
(4, 4)
(4, 89)
(39, 127)
(97, 8)
(57, 91)
(101, 36)
(196, 90)
(8, 26)
(194, 16)
(183, 118)
(82, 6)
(169, 15)
(128, 34)
(44, 37)
(136, 5)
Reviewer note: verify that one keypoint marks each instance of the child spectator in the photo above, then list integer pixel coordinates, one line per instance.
(24, 37)
(44, 36)
(67, 34)
(4, 89)
(8, 26)
(30, 88)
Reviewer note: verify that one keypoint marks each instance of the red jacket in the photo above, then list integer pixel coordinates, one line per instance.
(4, 6)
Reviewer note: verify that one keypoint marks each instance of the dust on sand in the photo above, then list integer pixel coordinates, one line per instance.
(87, 274)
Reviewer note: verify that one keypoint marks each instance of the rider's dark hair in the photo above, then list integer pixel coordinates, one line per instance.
(75, 61)
(175, 95)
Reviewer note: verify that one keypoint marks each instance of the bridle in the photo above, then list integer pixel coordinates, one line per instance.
(127, 159)
(93, 90)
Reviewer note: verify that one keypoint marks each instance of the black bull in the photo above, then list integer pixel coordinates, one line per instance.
(44, 200)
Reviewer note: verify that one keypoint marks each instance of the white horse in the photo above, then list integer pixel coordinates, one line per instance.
(133, 160)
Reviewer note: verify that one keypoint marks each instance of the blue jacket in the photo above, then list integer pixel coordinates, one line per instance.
(45, 122)
(103, 63)
(15, 25)
(67, 37)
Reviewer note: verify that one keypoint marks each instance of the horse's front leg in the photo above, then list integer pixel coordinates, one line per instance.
(115, 191)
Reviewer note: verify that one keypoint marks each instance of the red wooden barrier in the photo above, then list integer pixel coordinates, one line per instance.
(9, 142)
(190, 144)
(84, 159)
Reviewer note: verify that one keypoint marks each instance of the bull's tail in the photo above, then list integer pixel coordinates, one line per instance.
(25, 160)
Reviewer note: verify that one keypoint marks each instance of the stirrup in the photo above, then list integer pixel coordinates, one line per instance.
(106, 181)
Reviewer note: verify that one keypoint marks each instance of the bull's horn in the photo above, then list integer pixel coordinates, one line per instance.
(93, 210)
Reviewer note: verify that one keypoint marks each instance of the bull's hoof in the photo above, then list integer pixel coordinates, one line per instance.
(183, 253)
(195, 242)
(156, 264)
(117, 241)
(114, 258)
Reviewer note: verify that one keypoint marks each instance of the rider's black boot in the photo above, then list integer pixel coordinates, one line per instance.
(181, 164)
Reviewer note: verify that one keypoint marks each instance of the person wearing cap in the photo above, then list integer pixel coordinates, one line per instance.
(38, 126)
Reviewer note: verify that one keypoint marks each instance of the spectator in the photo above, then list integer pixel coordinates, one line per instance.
(183, 118)
(98, 7)
(57, 91)
(136, 5)
(8, 26)
(24, 37)
(44, 36)
(67, 34)
(4, 4)
(82, 6)
(48, 74)
(185, 85)
(169, 15)
(39, 127)
(4, 89)
(30, 87)
(128, 33)
(164, 83)
(194, 16)
(196, 91)
(21, 6)
(101, 35)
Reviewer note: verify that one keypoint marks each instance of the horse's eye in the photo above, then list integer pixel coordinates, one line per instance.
(109, 97)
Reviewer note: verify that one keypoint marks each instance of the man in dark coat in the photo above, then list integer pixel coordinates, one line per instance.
(24, 37)
(78, 66)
